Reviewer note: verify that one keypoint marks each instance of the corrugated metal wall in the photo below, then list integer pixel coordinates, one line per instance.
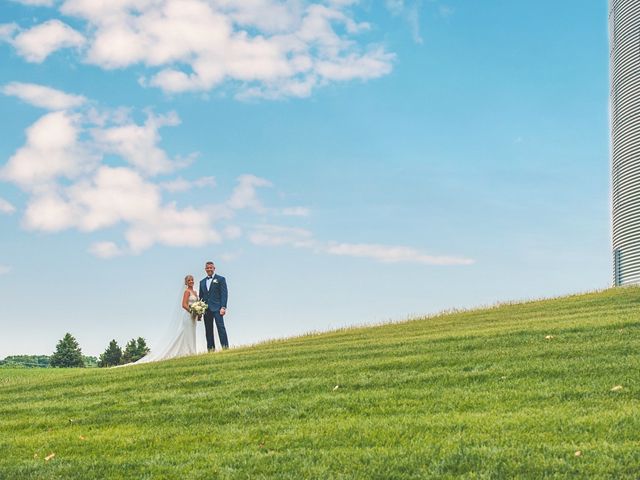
(624, 29)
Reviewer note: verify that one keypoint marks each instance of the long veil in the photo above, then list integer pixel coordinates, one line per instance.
(161, 347)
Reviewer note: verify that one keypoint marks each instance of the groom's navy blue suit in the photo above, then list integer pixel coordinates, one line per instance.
(216, 298)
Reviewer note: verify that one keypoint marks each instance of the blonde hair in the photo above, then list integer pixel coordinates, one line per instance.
(187, 278)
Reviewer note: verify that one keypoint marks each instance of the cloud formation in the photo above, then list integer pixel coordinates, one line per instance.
(105, 250)
(245, 194)
(42, 96)
(93, 169)
(138, 144)
(37, 43)
(36, 3)
(52, 151)
(277, 236)
(410, 12)
(181, 185)
(296, 212)
(393, 254)
(115, 196)
(261, 48)
(6, 207)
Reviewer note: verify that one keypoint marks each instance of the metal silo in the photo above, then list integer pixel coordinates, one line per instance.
(624, 31)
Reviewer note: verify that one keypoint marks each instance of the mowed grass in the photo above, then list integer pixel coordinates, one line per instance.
(479, 394)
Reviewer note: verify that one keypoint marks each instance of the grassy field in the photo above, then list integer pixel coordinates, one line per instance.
(547, 389)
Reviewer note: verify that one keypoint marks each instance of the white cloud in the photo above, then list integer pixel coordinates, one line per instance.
(395, 6)
(42, 96)
(57, 144)
(105, 250)
(6, 207)
(176, 185)
(171, 226)
(181, 185)
(138, 144)
(4, 269)
(245, 193)
(296, 212)
(116, 196)
(72, 185)
(278, 236)
(393, 254)
(375, 63)
(410, 11)
(230, 256)
(66, 166)
(7, 31)
(52, 150)
(275, 236)
(232, 232)
(263, 48)
(36, 3)
(49, 212)
(266, 15)
(113, 195)
(37, 43)
(204, 182)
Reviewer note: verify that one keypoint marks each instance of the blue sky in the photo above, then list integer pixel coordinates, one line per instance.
(342, 162)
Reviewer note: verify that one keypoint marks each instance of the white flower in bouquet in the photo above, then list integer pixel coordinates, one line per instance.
(197, 309)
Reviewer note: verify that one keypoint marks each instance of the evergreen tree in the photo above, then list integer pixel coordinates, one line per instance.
(135, 350)
(111, 356)
(129, 352)
(141, 347)
(67, 354)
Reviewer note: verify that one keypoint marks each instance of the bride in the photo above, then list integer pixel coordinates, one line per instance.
(182, 341)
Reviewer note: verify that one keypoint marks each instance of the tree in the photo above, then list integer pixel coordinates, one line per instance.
(135, 350)
(67, 354)
(142, 348)
(112, 355)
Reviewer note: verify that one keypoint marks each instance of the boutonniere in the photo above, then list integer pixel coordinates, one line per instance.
(215, 280)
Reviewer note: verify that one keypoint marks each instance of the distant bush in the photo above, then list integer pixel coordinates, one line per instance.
(89, 361)
(26, 361)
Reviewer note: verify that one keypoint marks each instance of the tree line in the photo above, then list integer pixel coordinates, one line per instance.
(68, 354)
(114, 355)
(39, 361)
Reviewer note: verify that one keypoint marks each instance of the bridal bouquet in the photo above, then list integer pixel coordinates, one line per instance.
(197, 309)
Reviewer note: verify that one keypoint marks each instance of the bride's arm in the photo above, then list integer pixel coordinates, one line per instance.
(185, 300)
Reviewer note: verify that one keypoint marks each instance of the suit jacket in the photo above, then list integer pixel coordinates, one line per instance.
(216, 296)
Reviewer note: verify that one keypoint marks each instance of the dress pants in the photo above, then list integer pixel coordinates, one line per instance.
(209, 317)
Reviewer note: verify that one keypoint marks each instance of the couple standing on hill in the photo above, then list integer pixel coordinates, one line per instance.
(212, 291)
(182, 337)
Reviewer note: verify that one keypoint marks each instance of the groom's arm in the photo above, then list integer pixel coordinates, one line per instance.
(200, 290)
(223, 294)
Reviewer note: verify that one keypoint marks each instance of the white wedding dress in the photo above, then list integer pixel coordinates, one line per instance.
(180, 342)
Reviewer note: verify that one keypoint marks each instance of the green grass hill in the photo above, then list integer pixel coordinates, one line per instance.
(544, 389)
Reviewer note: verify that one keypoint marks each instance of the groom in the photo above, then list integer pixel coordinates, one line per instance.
(213, 291)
